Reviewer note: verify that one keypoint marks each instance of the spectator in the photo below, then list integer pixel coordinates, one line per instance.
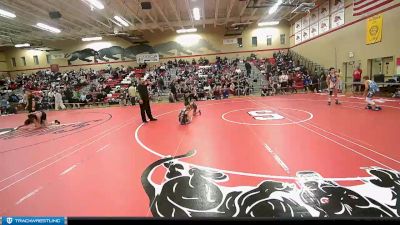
(132, 94)
(264, 91)
(357, 74)
(225, 92)
(58, 102)
(248, 68)
(31, 103)
(173, 90)
(5, 105)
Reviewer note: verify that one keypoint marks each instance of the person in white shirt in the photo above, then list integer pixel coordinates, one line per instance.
(283, 80)
(238, 71)
(207, 91)
(83, 98)
(58, 101)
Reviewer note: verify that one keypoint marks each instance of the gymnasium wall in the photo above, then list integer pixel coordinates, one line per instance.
(205, 43)
(333, 48)
(3, 63)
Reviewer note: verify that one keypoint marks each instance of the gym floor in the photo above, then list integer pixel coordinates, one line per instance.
(280, 156)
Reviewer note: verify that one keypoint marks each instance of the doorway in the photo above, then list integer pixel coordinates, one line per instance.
(382, 67)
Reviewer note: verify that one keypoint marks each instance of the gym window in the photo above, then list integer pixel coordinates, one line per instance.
(254, 41)
(269, 40)
(283, 39)
(13, 62)
(23, 60)
(48, 59)
(36, 59)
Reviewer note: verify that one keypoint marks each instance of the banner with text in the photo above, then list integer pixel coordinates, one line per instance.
(144, 58)
(374, 29)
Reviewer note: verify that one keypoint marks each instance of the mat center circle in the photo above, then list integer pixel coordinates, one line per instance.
(267, 116)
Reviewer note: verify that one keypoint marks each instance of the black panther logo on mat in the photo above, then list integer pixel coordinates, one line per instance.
(82, 55)
(188, 191)
(10, 133)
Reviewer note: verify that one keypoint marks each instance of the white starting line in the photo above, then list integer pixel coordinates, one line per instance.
(102, 148)
(277, 158)
(68, 170)
(28, 195)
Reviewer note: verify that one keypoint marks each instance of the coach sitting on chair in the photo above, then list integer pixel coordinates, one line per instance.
(144, 101)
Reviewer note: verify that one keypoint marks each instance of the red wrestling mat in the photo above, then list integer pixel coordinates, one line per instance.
(283, 156)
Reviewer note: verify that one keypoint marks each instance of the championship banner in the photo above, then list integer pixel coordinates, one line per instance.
(323, 25)
(314, 30)
(337, 5)
(337, 19)
(144, 58)
(313, 17)
(305, 34)
(297, 26)
(305, 22)
(324, 10)
(297, 38)
(374, 29)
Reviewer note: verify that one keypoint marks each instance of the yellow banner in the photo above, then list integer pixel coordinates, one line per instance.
(374, 30)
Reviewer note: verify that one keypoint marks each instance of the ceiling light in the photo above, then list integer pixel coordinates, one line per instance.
(22, 45)
(92, 39)
(196, 13)
(48, 28)
(7, 14)
(95, 3)
(275, 7)
(122, 21)
(191, 30)
(115, 22)
(270, 23)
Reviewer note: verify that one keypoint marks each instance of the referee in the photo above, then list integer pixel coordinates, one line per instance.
(144, 101)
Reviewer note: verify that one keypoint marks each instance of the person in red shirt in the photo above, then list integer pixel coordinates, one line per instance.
(357, 74)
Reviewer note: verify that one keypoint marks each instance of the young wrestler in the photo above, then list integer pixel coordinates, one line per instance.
(332, 80)
(370, 89)
(38, 119)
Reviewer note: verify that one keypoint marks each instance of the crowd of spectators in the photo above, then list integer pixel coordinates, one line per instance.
(206, 81)
(77, 87)
(284, 75)
(177, 79)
